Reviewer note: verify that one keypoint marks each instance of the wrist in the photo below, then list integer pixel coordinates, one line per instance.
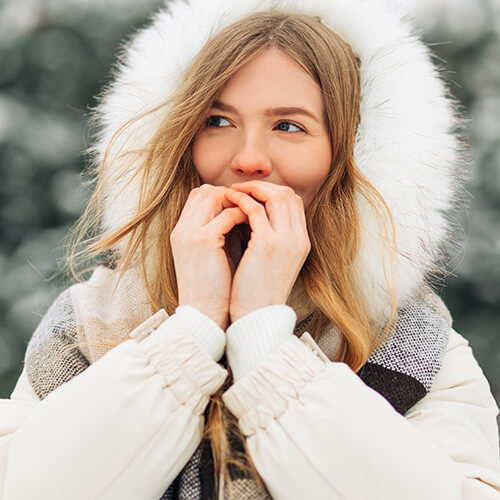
(220, 319)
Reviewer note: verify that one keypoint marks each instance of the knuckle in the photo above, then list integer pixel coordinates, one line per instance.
(193, 193)
(205, 188)
(256, 208)
(285, 193)
(212, 191)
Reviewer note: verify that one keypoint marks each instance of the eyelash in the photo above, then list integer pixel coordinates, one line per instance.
(208, 125)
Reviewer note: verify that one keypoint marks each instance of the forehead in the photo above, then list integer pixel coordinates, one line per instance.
(272, 78)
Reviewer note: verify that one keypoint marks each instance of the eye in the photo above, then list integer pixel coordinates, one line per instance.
(214, 121)
(287, 125)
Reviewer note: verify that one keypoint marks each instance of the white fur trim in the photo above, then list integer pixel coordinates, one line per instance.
(405, 144)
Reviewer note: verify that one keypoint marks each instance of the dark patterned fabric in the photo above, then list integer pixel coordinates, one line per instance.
(403, 367)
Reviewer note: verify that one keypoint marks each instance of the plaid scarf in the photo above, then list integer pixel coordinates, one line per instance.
(402, 369)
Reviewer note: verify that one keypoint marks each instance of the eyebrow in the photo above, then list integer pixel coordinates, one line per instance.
(279, 111)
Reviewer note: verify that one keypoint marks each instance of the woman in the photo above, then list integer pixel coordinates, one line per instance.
(272, 182)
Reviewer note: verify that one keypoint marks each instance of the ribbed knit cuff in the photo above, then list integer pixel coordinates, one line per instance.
(207, 333)
(252, 337)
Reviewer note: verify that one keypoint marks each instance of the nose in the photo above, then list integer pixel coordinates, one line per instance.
(251, 160)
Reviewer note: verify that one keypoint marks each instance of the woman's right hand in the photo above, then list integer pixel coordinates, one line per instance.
(203, 267)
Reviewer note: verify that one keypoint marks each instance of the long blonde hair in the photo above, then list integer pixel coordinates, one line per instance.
(167, 175)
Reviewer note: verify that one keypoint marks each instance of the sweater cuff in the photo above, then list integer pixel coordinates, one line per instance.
(208, 334)
(252, 337)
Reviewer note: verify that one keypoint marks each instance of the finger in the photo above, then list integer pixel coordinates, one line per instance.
(277, 200)
(298, 215)
(218, 195)
(255, 211)
(203, 204)
(226, 220)
(298, 211)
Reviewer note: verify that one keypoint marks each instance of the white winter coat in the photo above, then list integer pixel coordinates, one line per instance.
(125, 427)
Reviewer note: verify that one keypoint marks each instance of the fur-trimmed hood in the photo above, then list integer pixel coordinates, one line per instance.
(406, 145)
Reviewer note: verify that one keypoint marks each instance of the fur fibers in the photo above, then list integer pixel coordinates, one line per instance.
(407, 143)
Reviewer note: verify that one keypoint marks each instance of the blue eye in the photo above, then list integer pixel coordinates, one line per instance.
(216, 121)
(213, 121)
(289, 123)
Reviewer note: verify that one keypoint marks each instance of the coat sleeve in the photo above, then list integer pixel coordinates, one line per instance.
(314, 429)
(123, 428)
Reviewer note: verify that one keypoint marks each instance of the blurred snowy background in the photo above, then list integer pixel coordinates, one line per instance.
(55, 56)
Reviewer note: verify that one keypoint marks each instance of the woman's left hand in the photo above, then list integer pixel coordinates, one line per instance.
(277, 249)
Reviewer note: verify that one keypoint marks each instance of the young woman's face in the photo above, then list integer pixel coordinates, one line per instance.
(249, 137)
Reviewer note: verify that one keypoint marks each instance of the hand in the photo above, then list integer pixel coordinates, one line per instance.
(278, 247)
(203, 267)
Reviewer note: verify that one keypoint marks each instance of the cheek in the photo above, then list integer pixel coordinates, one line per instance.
(307, 171)
(197, 150)
(206, 158)
(321, 166)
